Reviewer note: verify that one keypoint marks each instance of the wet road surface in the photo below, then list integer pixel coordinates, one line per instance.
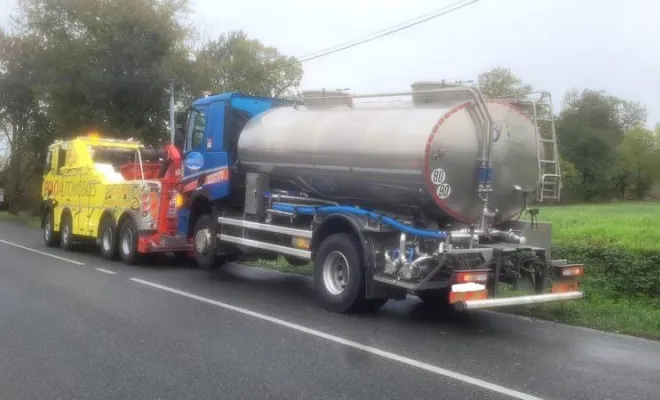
(75, 326)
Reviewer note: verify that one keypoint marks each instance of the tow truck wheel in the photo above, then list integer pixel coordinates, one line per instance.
(339, 275)
(128, 241)
(204, 242)
(66, 232)
(108, 239)
(50, 238)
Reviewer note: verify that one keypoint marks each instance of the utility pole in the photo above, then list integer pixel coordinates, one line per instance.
(172, 126)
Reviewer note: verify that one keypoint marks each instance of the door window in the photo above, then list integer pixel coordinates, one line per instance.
(196, 130)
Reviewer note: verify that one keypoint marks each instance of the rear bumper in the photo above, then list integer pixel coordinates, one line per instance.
(157, 243)
(517, 301)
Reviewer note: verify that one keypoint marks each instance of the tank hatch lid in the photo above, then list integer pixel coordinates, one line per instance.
(326, 98)
(422, 97)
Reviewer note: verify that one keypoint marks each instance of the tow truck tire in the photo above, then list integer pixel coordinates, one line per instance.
(66, 232)
(339, 275)
(50, 237)
(108, 239)
(204, 243)
(128, 242)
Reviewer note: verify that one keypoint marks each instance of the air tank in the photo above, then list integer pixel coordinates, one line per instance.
(409, 158)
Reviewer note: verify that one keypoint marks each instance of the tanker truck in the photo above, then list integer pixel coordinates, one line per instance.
(385, 200)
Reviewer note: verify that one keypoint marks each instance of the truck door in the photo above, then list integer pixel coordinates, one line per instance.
(70, 175)
(195, 142)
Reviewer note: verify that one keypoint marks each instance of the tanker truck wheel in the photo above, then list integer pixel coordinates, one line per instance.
(339, 274)
(204, 240)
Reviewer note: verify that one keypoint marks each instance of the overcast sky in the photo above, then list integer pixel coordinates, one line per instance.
(552, 44)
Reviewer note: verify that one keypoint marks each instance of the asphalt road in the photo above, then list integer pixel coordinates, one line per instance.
(78, 327)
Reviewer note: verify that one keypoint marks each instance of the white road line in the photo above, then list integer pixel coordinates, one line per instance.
(106, 271)
(43, 253)
(336, 339)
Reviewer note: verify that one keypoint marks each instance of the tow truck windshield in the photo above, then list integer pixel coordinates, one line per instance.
(118, 164)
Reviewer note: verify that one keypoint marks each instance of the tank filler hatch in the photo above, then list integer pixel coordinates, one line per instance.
(326, 98)
(423, 98)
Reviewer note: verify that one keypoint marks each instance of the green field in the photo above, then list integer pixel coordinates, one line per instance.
(620, 247)
(630, 226)
(619, 243)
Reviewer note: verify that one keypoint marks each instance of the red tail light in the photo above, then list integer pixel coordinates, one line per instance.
(470, 276)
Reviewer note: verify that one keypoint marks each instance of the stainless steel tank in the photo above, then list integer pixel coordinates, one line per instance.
(401, 159)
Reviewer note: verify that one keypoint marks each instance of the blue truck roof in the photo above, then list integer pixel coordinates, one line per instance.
(228, 96)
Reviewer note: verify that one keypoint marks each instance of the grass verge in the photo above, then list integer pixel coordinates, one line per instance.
(29, 220)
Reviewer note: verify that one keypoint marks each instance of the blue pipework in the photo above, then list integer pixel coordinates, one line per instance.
(312, 210)
(410, 254)
(484, 176)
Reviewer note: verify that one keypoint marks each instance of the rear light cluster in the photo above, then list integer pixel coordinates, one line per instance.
(471, 277)
(570, 271)
(149, 204)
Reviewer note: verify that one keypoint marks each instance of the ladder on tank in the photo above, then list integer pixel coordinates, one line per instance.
(542, 114)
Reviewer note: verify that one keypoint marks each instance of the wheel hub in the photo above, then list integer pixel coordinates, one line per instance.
(335, 272)
(65, 233)
(203, 241)
(107, 238)
(126, 241)
(47, 231)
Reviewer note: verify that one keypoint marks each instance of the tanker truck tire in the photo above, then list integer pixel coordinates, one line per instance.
(205, 243)
(339, 274)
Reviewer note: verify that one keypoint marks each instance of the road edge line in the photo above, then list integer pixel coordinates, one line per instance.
(349, 343)
(43, 253)
(106, 271)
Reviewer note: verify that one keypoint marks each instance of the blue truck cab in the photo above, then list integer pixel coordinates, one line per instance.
(209, 140)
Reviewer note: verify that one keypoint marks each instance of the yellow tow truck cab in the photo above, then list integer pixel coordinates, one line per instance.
(115, 192)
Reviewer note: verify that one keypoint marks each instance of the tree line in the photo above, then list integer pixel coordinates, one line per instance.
(71, 66)
(606, 152)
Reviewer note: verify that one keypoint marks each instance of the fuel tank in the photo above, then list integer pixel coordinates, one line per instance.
(401, 159)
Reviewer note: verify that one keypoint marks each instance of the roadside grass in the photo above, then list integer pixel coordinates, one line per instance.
(29, 220)
(283, 266)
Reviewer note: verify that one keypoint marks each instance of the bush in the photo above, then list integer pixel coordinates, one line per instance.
(618, 243)
(617, 271)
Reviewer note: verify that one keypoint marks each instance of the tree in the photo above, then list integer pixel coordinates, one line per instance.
(638, 163)
(22, 120)
(630, 114)
(500, 81)
(234, 62)
(108, 73)
(571, 180)
(589, 131)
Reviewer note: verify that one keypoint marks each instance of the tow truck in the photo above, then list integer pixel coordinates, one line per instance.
(117, 193)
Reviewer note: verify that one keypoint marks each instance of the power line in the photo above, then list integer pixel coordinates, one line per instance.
(388, 31)
(374, 36)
